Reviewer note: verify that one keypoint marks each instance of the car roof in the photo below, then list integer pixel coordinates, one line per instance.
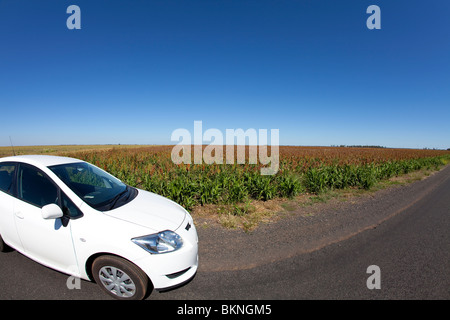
(40, 160)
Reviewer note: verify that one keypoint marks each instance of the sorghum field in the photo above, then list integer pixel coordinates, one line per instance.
(301, 170)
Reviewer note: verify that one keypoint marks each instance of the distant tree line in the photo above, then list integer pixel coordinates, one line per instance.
(379, 147)
(357, 146)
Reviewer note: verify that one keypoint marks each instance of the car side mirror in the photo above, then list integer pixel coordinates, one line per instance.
(51, 211)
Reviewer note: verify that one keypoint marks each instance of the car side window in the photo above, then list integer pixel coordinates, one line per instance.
(35, 187)
(7, 171)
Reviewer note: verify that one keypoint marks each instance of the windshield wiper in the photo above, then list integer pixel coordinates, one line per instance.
(116, 198)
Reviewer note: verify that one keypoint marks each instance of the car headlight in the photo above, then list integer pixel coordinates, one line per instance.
(162, 242)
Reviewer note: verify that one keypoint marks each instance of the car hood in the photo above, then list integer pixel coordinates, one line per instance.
(151, 211)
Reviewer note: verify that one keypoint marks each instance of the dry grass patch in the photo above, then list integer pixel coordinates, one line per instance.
(247, 215)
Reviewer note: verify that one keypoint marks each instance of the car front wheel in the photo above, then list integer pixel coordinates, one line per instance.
(120, 278)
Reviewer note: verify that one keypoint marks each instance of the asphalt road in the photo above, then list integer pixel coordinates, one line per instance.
(409, 243)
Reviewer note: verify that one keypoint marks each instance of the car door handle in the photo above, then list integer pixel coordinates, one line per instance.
(19, 214)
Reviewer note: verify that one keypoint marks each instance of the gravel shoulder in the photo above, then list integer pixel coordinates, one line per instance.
(307, 228)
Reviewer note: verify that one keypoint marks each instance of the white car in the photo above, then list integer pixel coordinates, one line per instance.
(73, 217)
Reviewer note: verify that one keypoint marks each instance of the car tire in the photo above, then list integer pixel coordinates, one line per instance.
(120, 278)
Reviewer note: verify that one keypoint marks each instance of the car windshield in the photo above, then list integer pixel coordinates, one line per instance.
(96, 187)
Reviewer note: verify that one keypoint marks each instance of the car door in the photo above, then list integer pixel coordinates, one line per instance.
(48, 241)
(7, 225)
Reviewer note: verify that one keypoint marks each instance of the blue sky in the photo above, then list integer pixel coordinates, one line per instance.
(138, 70)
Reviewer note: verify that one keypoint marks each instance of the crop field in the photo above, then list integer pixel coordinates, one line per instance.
(235, 188)
(57, 149)
(301, 170)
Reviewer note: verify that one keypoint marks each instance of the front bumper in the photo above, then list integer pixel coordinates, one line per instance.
(173, 269)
